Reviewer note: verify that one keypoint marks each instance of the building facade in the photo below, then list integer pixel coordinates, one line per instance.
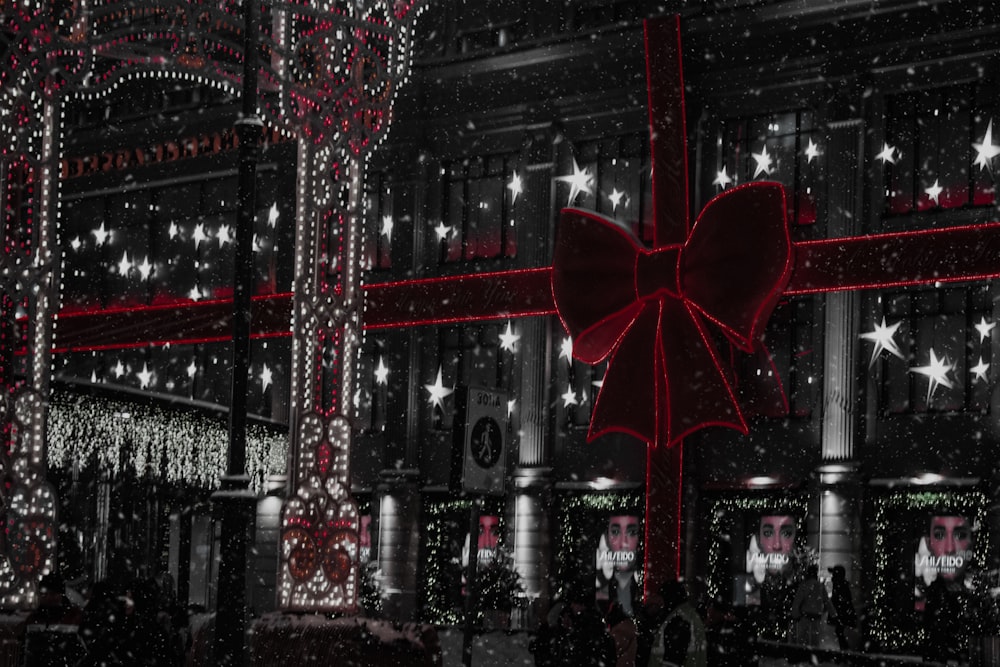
(878, 448)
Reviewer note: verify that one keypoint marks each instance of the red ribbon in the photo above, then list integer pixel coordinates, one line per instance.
(652, 313)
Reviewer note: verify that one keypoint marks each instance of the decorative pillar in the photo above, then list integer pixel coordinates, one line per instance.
(836, 522)
(399, 543)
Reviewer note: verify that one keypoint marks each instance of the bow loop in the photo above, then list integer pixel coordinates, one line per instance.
(650, 312)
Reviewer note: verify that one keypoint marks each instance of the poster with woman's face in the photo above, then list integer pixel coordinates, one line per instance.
(944, 553)
(771, 546)
(618, 560)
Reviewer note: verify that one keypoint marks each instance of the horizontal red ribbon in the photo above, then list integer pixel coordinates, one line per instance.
(879, 261)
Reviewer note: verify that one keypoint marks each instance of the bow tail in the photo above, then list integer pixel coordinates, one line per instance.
(698, 392)
(630, 397)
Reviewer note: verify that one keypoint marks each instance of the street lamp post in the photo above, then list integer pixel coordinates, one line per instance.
(234, 503)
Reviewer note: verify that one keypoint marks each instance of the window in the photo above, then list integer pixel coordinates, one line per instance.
(780, 147)
(477, 222)
(380, 227)
(620, 180)
(935, 325)
(934, 165)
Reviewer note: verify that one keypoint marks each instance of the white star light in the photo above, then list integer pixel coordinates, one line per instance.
(812, 151)
(569, 398)
(442, 231)
(194, 294)
(119, 369)
(265, 378)
(616, 198)
(597, 384)
(984, 328)
(76, 243)
(515, 186)
(979, 370)
(145, 269)
(566, 349)
(882, 336)
(386, 230)
(936, 372)
(508, 338)
(887, 154)
(124, 265)
(199, 235)
(381, 372)
(145, 376)
(173, 231)
(763, 161)
(579, 181)
(224, 235)
(272, 216)
(438, 392)
(986, 151)
(722, 179)
(510, 406)
(192, 369)
(101, 235)
(934, 192)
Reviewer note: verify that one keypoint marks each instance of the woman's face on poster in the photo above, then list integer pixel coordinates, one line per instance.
(949, 539)
(623, 536)
(776, 534)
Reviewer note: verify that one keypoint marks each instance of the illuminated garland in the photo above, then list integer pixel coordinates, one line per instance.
(888, 627)
(442, 564)
(174, 445)
(576, 522)
(724, 507)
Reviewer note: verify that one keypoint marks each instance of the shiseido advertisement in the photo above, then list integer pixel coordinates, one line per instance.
(944, 556)
(618, 560)
(772, 539)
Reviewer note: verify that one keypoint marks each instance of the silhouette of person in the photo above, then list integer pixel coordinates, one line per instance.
(843, 604)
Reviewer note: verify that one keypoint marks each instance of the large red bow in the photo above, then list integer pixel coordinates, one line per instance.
(653, 310)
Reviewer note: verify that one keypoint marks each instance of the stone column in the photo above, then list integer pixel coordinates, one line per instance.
(398, 538)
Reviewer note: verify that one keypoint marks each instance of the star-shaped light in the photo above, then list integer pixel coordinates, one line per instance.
(438, 392)
(515, 186)
(887, 154)
(812, 151)
(386, 230)
(442, 230)
(172, 232)
(381, 372)
(124, 265)
(265, 378)
(76, 243)
(272, 215)
(597, 384)
(984, 328)
(510, 406)
(101, 235)
(194, 294)
(569, 397)
(119, 369)
(145, 376)
(979, 370)
(566, 349)
(986, 151)
(199, 235)
(722, 179)
(145, 269)
(882, 336)
(616, 198)
(192, 369)
(224, 235)
(508, 338)
(579, 181)
(934, 192)
(763, 161)
(936, 372)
